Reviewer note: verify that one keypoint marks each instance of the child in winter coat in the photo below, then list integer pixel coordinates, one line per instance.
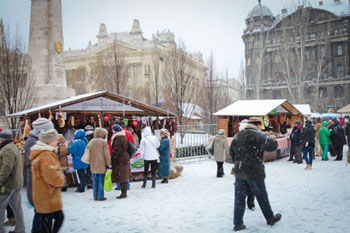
(47, 181)
(77, 150)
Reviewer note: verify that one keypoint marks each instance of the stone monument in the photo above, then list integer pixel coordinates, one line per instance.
(46, 52)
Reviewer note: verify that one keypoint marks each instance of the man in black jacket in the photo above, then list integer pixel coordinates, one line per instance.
(309, 134)
(338, 135)
(347, 131)
(248, 153)
(296, 140)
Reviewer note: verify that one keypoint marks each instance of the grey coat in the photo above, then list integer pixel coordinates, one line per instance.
(221, 150)
(31, 141)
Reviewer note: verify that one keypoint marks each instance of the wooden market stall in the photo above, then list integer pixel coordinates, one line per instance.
(99, 109)
(277, 117)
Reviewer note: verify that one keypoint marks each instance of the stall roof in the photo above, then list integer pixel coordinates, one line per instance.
(345, 109)
(102, 101)
(304, 109)
(256, 108)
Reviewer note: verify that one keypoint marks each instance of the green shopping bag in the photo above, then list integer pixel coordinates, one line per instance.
(108, 182)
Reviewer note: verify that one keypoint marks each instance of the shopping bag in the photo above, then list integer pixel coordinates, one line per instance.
(108, 182)
(86, 156)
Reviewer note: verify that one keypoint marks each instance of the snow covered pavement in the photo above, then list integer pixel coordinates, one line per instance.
(309, 201)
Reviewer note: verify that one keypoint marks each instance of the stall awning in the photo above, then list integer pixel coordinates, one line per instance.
(345, 109)
(103, 101)
(304, 109)
(257, 108)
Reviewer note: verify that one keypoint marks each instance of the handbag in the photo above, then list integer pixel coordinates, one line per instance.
(108, 182)
(86, 156)
(131, 149)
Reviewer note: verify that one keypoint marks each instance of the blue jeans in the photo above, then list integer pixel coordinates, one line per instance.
(309, 151)
(98, 188)
(258, 189)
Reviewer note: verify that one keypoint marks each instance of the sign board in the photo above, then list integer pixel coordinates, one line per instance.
(101, 104)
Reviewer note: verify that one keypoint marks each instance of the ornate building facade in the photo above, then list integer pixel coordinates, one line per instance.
(302, 55)
(141, 61)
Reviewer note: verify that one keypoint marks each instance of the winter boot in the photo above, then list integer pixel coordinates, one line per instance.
(124, 188)
(144, 182)
(10, 222)
(239, 227)
(153, 182)
(164, 181)
(274, 219)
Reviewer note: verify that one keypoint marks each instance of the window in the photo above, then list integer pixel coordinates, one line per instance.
(339, 71)
(324, 72)
(147, 69)
(323, 92)
(339, 50)
(307, 55)
(276, 94)
(338, 92)
(309, 76)
(339, 31)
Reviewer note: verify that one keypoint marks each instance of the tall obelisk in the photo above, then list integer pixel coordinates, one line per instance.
(46, 52)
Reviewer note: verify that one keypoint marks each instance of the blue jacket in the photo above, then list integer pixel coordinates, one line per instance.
(77, 149)
(164, 151)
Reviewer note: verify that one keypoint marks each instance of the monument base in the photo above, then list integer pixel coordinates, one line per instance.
(46, 94)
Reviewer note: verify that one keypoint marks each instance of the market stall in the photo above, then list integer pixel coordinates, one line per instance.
(277, 117)
(99, 109)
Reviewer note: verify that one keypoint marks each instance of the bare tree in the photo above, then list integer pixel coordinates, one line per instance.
(242, 78)
(210, 95)
(120, 68)
(15, 80)
(78, 79)
(155, 73)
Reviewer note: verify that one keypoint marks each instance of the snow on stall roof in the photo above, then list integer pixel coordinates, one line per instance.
(250, 108)
(304, 109)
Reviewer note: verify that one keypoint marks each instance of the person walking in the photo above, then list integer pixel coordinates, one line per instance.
(347, 132)
(77, 150)
(221, 151)
(148, 149)
(120, 160)
(339, 140)
(99, 160)
(324, 140)
(308, 143)
(296, 146)
(11, 180)
(164, 152)
(48, 179)
(248, 151)
(39, 125)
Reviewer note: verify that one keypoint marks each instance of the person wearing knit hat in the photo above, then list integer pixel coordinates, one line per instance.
(117, 128)
(41, 124)
(48, 179)
(11, 180)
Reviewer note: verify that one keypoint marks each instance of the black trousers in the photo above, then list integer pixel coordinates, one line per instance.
(339, 152)
(220, 169)
(10, 213)
(52, 222)
(153, 164)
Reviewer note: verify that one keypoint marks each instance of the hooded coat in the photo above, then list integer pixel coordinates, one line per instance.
(149, 145)
(164, 152)
(221, 150)
(11, 175)
(248, 148)
(47, 178)
(324, 134)
(77, 149)
(99, 152)
(120, 158)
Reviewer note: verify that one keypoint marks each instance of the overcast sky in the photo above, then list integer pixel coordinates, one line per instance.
(204, 25)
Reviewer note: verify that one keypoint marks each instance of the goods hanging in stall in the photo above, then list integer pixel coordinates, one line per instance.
(99, 109)
(277, 117)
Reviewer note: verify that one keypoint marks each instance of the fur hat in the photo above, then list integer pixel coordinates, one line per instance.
(48, 136)
(5, 135)
(117, 128)
(221, 132)
(42, 124)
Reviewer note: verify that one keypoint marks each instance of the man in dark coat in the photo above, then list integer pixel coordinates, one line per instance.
(39, 125)
(338, 134)
(248, 149)
(296, 146)
(309, 134)
(347, 132)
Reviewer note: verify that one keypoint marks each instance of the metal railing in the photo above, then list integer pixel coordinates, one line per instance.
(190, 140)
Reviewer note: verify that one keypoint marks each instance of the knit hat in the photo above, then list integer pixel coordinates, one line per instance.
(89, 128)
(48, 136)
(42, 124)
(116, 128)
(297, 122)
(221, 132)
(6, 135)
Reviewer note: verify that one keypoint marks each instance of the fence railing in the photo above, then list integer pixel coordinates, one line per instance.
(190, 140)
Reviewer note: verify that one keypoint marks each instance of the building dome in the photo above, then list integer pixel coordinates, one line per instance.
(259, 10)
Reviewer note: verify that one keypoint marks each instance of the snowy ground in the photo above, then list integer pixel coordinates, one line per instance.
(309, 201)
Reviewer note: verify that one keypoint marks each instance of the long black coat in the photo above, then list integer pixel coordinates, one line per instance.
(338, 134)
(309, 133)
(247, 152)
(120, 160)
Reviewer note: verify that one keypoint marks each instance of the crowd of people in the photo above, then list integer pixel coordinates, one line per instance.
(46, 166)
